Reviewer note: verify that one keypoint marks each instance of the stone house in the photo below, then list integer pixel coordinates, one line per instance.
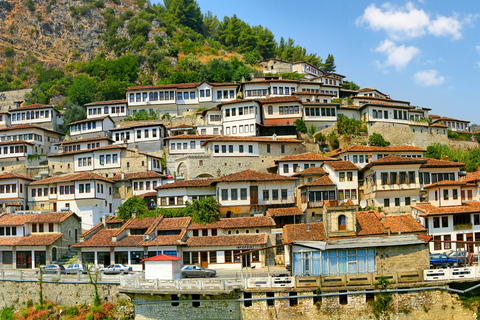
(453, 124)
(307, 68)
(136, 183)
(320, 249)
(28, 241)
(274, 65)
(87, 194)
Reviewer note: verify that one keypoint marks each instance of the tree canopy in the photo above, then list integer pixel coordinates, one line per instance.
(377, 140)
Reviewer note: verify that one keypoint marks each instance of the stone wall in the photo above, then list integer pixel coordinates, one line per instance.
(402, 258)
(15, 293)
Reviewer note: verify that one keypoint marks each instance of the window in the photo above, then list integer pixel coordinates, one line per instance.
(445, 194)
(250, 149)
(268, 148)
(285, 168)
(228, 256)
(349, 176)
(284, 194)
(444, 222)
(437, 245)
(397, 202)
(240, 148)
(270, 109)
(386, 203)
(384, 178)
(282, 148)
(224, 194)
(274, 194)
(407, 201)
(436, 222)
(447, 245)
(342, 176)
(233, 194)
(243, 194)
(266, 195)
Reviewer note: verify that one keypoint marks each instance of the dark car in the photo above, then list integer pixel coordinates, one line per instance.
(441, 261)
(54, 268)
(197, 271)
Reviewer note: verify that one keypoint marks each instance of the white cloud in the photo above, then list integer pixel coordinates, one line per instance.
(397, 56)
(408, 22)
(428, 78)
(477, 48)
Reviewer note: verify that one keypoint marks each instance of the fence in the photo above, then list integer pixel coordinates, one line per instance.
(452, 274)
(32, 275)
(137, 282)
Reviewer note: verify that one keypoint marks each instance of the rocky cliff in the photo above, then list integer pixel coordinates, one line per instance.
(56, 31)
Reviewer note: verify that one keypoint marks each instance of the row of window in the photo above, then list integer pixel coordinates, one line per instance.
(241, 129)
(241, 111)
(22, 137)
(204, 131)
(122, 136)
(84, 162)
(31, 115)
(230, 256)
(146, 133)
(281, 90)
(446, 194)
(215, 117)
(138, 185)
(40, 227)
(459, 125)
(386, 202)
(115, 109)
(286, 167)
(317, 112)
(446, 245)
(8, 231)
(397, 177)
(347, 194)
(216, 148)
(13, 149)
(200, 233)
(287, 110)
(342, 176)
(10, 188)
(318, 196)
(267, 194)
(108, 159)
(179, 146)
(90, 125)
(154, 96)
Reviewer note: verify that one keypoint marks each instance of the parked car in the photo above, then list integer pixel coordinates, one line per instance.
(76, 268)
(441, 261)
(196, 271)
(54, 268)
(116, 268)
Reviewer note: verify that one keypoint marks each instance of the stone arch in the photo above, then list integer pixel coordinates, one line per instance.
(182, 170)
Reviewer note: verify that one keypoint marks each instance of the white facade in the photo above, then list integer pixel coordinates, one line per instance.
(186, 145)
(177, 197)
(241, 118)
(346, 182)
(163, 270)
(107, 108)
(48, 114)
(92, 126)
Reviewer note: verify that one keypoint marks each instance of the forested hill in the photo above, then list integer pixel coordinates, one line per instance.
(77, 51)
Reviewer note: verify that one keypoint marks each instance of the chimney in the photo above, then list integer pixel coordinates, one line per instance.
(447, 158)
(104, 220)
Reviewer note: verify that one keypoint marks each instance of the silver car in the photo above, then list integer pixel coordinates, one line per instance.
(76, 268)
(116, 268)
(197, 271)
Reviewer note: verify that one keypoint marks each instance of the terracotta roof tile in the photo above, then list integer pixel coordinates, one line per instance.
(9, 175)
(45, 239)
(435, 163)
(167, 86)
(322, 181)
(409, 224)
(308, 156)
(174, 223)
(166, 240)
(281, 212)
(20, 219)
(7, 143)
(197, 183)
(33, 106)
(231, 223)
(251, 175)
(124, 125)
(192, 137)
(103, 238)
(445, 183)
(101, 103)
(92, 230)
(311, 171)
(466, 207)
(341, 165)
(471, 177)
(72, 177)
(304, 232)
(392, 159)
(28, 126)
(451, 119)
(232, 240)
(369, 223)
(282, 99)
(438, 124)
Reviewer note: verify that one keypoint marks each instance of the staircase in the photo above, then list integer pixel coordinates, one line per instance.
(69, 258)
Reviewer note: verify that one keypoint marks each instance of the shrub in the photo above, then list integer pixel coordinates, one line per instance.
(301, 126)
(9, 52)
(333, 140)
(30, 5)
(311, 131)
(377, 140)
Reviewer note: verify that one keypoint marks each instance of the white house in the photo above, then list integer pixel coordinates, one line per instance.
(163, 267)
(178, 193)
(187, 144)
(83, 144)
(144, 135)
(292, 164)
(91, 127)
(13, 190)
(240, 117)
(39, 114)
(344, 175)
(116, 109)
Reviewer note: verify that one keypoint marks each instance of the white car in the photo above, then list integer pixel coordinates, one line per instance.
(116, 268)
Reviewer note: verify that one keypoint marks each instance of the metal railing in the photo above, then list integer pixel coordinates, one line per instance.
(32, 275)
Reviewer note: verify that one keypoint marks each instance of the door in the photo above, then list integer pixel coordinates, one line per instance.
(470, 245)
(246, 260)
(54, 207)
(253, 195)
(204, 259)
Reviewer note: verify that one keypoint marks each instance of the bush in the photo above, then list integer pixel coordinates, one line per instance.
(321, 138)
(377, 140)
(99, 4)
(7, 313)
(301, 126)
(333, 140)
(9, 52)
(311, 131)
(30, 5)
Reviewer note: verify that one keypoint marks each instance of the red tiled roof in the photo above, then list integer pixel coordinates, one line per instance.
(103, 238)
(341, 165)
(438, 124)
(471, 177)
(231, 223)
(90, 119)
(231, 240)
(445, 183)
(174, 223)
(72, 141)
(108, 147)
(251, 175)
(100, 103)
(322, 181)
(409, 224)
(251, 139)
(188, 184)
(167, 86)
(9, 175)
(392, 159)
(360, 148)
(148, 194)
(138, 175)
(72, 177)
(33, 106)
(4, 143)
(281, 212)
(164, 240)
(466, 207)
(45, 239)
(282, 99)
(311, 171)
(182, 126)
(163, 257)
(192, 137)
(20, 219)
(28, 126)
(307, 156)
(92, 230)
(370, 223)
(435, 163)
(304, 232)
(450, 119)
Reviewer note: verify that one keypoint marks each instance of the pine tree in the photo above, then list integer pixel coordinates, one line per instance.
(329, 65)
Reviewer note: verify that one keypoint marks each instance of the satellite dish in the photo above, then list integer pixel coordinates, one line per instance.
(363, 203)
(185, 199)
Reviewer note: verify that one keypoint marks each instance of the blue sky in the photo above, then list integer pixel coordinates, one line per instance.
(426, 52)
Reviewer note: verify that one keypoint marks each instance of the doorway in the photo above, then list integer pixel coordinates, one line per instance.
(253, 195)
(246, 260)
(470, 245)
(54, 207)
(204, 259)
